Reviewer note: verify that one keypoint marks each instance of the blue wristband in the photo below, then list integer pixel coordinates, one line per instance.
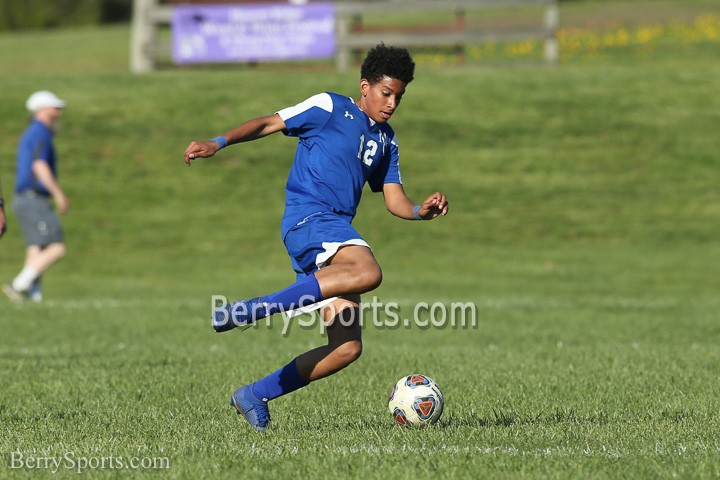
(415, 212)
(222, 141)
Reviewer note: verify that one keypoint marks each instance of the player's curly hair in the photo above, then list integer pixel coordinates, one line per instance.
(387, 61)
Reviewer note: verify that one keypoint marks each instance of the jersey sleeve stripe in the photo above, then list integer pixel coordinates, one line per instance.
(321, 100)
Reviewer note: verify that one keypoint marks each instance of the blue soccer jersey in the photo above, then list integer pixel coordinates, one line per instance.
(35, 144)
(339, 149)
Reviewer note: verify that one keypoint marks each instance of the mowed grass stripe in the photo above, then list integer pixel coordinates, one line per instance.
(584, 223)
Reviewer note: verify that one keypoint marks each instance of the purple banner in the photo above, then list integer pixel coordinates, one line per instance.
(246, 33)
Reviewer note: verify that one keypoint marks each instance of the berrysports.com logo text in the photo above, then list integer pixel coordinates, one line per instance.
(388, 315)
(70, 461)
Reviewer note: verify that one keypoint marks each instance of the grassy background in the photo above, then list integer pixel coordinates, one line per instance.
(584, 227)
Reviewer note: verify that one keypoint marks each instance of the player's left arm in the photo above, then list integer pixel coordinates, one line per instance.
(251, 130)
(398, 203)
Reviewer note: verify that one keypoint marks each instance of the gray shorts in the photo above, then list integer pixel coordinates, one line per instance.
(39, 222)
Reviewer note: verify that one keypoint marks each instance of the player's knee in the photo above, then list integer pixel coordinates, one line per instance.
(349, 351)
(369, 277)
(376, 278)
(59, 250)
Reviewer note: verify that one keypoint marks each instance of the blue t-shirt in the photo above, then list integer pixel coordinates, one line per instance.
(35, 144)
(339, 149)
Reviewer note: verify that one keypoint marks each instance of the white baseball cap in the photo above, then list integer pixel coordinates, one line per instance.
(43, 99)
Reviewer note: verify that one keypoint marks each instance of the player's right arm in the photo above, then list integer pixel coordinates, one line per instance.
(251, 130)
(43, 173)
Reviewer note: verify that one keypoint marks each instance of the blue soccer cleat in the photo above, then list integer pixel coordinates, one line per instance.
(254, 410)
(230, 315)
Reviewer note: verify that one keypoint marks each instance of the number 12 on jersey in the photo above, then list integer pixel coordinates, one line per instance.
(368, 152)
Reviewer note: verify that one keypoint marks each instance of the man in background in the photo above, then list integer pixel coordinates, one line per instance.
(36, 182)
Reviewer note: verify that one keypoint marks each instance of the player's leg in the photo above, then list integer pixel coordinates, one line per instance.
(351, 270)
(344, 346)
(47, 257)
(35, 291)
(330, 244)
(348, 267)
(342, 318)
(17, 289)
(13, 289)
(43, 236)
(27, 275)
(354, 270)
(37, 261)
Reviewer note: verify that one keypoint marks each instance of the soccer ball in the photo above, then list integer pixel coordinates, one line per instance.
(416, 400)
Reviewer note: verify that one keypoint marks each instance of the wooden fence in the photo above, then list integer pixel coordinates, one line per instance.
(149, 17)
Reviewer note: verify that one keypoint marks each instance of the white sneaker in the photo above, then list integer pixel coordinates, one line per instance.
(12, 294)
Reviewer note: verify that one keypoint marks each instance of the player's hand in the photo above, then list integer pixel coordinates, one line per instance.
(62, 203)
(200, 150)
(3, 223)
(435, 205)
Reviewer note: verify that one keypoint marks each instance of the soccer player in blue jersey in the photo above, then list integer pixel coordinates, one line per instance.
(343, 143)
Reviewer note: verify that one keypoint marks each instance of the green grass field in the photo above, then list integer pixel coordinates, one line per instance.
(584, 226)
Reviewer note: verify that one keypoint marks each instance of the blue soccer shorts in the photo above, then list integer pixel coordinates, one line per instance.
(314, 241)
